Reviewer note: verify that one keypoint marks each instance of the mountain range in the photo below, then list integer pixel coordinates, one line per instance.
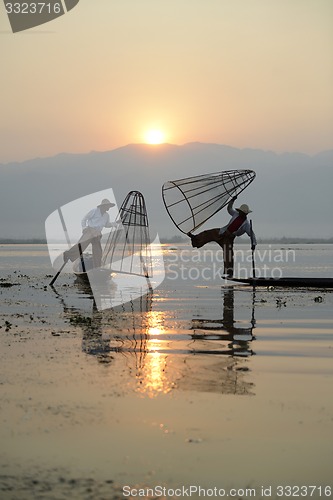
(291, 195)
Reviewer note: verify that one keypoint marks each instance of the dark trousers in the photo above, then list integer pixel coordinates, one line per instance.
(88, 237)
(226, 242)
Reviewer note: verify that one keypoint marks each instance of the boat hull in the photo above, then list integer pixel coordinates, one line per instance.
(287, 282)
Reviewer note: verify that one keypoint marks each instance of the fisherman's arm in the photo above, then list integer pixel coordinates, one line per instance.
(230, 207)
(112, 224)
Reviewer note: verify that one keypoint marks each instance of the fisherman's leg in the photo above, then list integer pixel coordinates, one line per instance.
(228, 255)
(226, 242)
(97, 251)
(199, 240)
(74, 252)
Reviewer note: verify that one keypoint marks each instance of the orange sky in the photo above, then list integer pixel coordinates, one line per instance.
(248, 74)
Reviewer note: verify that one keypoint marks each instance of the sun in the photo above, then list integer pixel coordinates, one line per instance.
(154, 136)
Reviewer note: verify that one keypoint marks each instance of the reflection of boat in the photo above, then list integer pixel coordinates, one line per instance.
(287, 282)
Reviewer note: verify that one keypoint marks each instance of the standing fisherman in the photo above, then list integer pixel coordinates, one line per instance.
(225, 236)
(92, 225)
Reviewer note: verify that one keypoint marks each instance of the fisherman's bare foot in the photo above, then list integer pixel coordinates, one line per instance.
(228, 275)
(192, 236)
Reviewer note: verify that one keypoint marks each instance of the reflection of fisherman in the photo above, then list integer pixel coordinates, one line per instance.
(92, 225)
(93, 340)
(227, 323)
(228, 320)
(225, 236)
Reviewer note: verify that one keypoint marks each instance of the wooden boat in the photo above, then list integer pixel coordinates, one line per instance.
(287, 282)
(81, 267)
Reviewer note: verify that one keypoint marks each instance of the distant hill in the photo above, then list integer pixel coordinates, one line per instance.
(291, 195)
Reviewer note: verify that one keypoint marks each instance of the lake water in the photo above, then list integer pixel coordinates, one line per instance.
(200, 382)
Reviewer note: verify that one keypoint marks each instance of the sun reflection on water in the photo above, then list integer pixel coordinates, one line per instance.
(152, 376)
(159, 350)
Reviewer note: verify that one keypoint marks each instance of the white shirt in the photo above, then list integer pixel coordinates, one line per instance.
(244, 228)
(96, 220)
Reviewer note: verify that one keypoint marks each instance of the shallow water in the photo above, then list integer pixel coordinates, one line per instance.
(198, 383)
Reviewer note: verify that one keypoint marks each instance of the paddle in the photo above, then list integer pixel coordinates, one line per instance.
(253, 321)
(56, 276)
(82, 258)
(252, 248)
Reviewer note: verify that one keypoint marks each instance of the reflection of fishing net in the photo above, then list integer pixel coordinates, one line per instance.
(127, 249)
(192, 201)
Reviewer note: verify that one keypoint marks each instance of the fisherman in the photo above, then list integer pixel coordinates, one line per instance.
(92, 224)
(225, 236)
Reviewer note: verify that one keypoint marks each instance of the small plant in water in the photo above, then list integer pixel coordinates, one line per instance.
(80, 320)
(281, 303)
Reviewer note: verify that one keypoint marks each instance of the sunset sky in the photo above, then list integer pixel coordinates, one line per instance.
(254, 73)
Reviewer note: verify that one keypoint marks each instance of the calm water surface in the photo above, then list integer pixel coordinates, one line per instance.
(215, 384)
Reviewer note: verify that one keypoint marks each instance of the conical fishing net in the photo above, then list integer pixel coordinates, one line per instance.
(128, 249)
(192, 201)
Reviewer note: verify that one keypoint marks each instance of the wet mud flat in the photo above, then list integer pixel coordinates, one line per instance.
(208, 385)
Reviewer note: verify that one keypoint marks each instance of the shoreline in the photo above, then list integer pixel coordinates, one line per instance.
(180, 240)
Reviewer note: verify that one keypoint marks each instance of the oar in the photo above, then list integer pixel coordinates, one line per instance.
(56, 276)
(82, 258)
(252, 248)
(68, 243)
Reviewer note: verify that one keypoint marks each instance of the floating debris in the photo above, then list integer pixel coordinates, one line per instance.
(7, 325)
(194, 440)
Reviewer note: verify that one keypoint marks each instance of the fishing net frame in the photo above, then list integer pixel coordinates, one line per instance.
(202, 193)
(130, 244)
